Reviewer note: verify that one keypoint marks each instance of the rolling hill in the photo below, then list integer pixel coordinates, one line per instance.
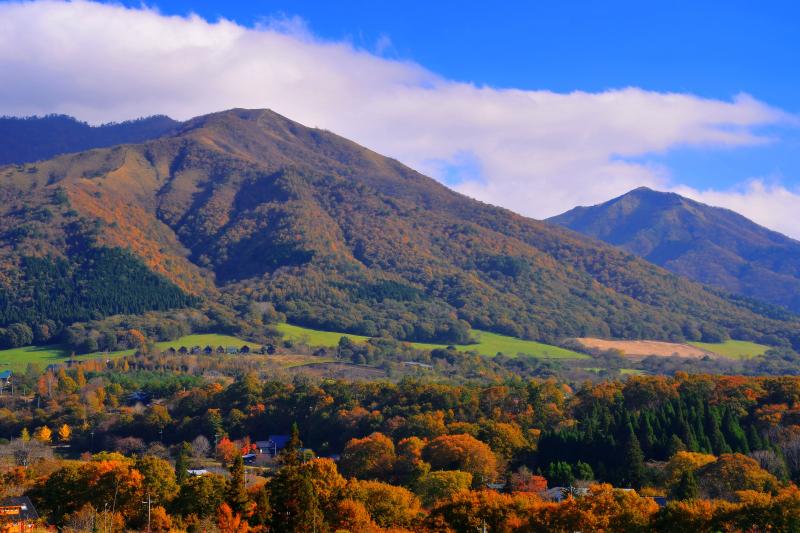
(246, 208)
(29, 139)
(712, 245)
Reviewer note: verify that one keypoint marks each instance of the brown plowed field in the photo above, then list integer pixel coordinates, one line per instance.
(640, 349)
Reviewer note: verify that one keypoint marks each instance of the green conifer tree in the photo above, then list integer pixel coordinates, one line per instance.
(686, 488)
(633, 465)
(236, 496)
(182, 463)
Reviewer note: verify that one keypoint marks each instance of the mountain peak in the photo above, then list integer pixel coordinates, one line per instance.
(710, 244)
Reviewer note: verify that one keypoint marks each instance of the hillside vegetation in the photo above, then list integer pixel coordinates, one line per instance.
(246, 209)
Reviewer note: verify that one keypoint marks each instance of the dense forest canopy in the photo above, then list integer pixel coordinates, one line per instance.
(407, 456)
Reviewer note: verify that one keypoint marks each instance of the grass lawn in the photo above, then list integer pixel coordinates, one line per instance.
(632, 372)
(488, 343)
(17, 359)
(733, 349)
(315, 337)
(622, 371)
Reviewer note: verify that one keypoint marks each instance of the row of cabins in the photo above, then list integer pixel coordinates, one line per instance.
(268, 349)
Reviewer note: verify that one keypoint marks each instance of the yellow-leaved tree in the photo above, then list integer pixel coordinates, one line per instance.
(44, 434)
(64, 433)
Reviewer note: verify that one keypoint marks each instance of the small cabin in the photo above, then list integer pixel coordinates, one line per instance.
(183, 350)
(208, 350)
(244, 349)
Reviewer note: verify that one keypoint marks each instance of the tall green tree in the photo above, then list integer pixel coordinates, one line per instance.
(686, 488)
(236, 496)
(294, 502)
(182, 463)
(290, 455)
(633, 465)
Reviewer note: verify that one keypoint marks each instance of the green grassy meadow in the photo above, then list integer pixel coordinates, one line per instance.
(16, 359)
(488, 344)
(733, 349)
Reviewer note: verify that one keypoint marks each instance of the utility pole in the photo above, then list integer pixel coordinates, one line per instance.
(149, 504)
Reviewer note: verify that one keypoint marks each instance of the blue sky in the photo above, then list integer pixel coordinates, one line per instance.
(713, 49)
(536, 106)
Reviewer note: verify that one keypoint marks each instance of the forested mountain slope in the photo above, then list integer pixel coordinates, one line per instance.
(247, 206)
(712, 245)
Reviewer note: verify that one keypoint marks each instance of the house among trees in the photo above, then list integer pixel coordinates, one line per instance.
(220, 350)
(195, 350)
(17, 514)
(273, 445)
(171, 350)
(245, 349)
(5, 377)
(139, 397)
(183, 350)
(208, 350)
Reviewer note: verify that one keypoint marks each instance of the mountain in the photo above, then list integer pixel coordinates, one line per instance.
(246, 208)
(712, 245)
(24, 140)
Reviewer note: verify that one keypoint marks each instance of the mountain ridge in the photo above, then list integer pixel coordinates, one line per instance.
(713, 245)
(248, 208)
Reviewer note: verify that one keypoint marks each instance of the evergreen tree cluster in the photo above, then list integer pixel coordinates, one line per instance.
(93, 283)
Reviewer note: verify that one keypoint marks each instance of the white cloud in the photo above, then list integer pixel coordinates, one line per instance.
(771, 205)
(537, 152)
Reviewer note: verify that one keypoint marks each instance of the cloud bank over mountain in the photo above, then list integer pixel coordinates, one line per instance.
(536, 152)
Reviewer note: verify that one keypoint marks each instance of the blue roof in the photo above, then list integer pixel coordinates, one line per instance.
(5, 374)
(279, 440)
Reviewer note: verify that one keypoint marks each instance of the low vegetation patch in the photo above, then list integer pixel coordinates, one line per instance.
(733, 349)
(489, 344)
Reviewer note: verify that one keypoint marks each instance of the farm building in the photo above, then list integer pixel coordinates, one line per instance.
(17, 514)
(272, 445)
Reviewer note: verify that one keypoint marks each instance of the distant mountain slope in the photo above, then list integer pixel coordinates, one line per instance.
(24, 140)
(712, 245)
(246, 207)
